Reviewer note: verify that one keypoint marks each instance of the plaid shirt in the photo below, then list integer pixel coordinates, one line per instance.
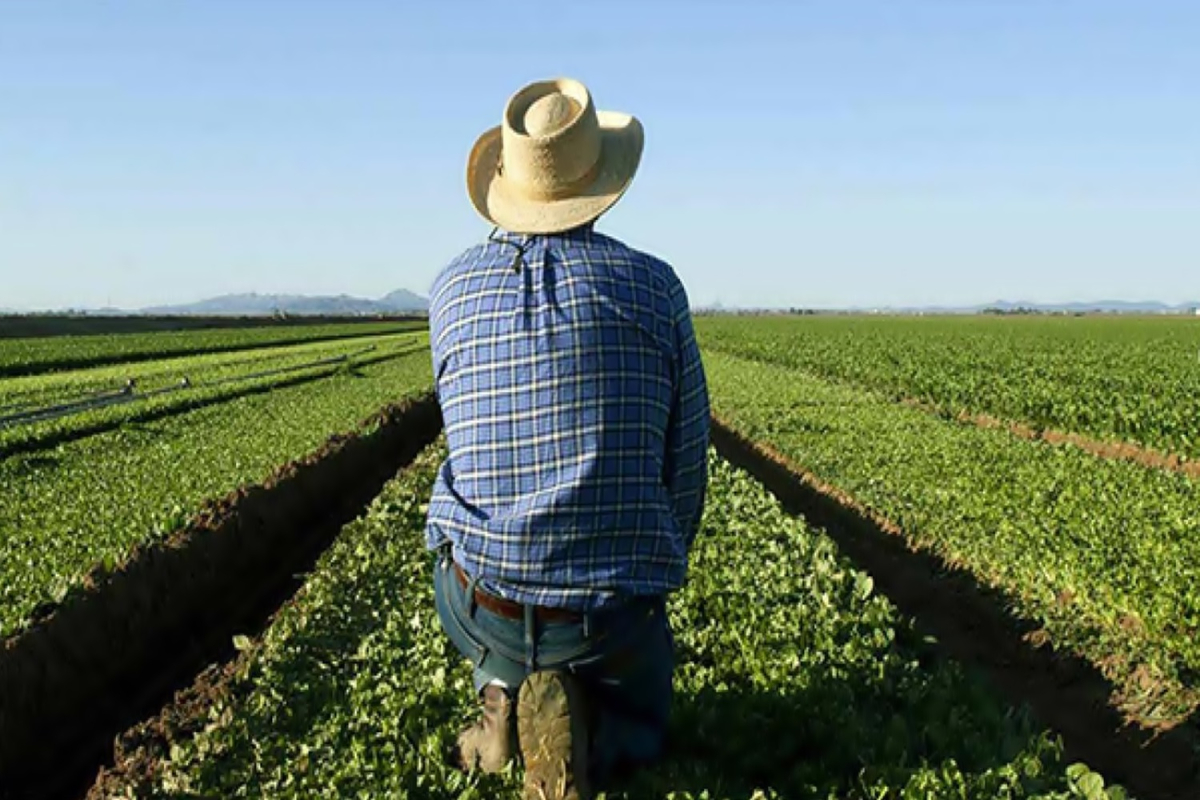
(576, 415)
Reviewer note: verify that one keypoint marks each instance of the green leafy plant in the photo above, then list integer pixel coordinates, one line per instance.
(176, 385)
(1103, 554)
(30, 356)
(1130, 379)
(89, 501)
(794, 679)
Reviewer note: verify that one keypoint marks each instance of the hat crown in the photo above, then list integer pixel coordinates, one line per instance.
(551, 139)
(550, 114)
(554, 162)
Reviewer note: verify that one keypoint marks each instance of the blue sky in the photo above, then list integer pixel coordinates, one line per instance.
(798, 153)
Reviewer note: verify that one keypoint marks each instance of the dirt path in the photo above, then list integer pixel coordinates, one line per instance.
(116, 653)
(971, 623)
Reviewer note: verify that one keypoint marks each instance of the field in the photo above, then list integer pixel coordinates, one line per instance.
(1102, 553)
(1125, 379)
(354, 692)
(31, 356)
(941, 558)
(86, 501)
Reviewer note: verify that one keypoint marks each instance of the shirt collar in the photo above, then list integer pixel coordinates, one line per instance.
(581, 233)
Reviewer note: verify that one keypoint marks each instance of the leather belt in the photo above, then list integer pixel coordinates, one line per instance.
(512, 610)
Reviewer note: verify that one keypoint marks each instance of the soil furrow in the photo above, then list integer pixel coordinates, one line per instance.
(972, 623)
(116, 653)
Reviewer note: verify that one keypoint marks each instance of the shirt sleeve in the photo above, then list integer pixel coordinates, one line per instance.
(687, 437)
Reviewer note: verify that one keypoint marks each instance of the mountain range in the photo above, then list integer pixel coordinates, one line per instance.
(403, 301)
(400, 301)
(999, 306)
(1104, 306)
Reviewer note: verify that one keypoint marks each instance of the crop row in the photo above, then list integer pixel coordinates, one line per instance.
(1105, 555)
(159, 391)
(1133, 380)
(794, 679)
(89, 501)
(53, 353)
(51, 387)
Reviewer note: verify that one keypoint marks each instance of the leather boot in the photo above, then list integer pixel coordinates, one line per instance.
(489, 744)
(552, 731)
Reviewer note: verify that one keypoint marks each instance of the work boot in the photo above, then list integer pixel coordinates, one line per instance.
(552, 731)
(488, 745)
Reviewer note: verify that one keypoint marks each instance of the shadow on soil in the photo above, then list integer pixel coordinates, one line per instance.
(971, 625)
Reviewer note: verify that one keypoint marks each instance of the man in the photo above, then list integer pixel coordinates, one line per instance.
(576, 417)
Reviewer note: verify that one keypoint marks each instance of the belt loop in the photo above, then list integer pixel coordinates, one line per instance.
(530, 639)
(471, 604)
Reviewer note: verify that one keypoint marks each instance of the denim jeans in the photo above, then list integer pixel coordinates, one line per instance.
(622, 658)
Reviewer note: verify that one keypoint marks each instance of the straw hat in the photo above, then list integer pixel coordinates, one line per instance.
(555, 163)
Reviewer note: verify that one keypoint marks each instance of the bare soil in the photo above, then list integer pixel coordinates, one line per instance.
(971, 622)
(139, 752)
(116, 652)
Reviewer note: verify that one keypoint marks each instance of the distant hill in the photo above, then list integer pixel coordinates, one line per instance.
(400, 301)
(1112, 306)
(404, 300)
(1013, 307)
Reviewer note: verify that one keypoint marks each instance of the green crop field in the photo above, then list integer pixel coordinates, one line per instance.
(173, 385)
(797, 677)
(1135, 379)
(1104, 554)
(30, 356)
(68, 506)
(783, 648)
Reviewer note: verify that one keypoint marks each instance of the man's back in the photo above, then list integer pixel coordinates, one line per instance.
(576, 418)
(577, 421)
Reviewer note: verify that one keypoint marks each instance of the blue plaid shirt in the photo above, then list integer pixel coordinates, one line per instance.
(576, 416)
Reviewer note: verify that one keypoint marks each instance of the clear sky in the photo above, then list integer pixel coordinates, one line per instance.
(798, 153)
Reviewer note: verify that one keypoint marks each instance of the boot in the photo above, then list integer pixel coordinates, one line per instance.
(488, 745)
(552, 731)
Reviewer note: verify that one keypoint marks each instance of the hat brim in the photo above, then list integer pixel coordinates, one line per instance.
(622, 139)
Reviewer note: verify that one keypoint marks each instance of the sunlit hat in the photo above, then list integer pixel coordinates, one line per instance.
(555, 163)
